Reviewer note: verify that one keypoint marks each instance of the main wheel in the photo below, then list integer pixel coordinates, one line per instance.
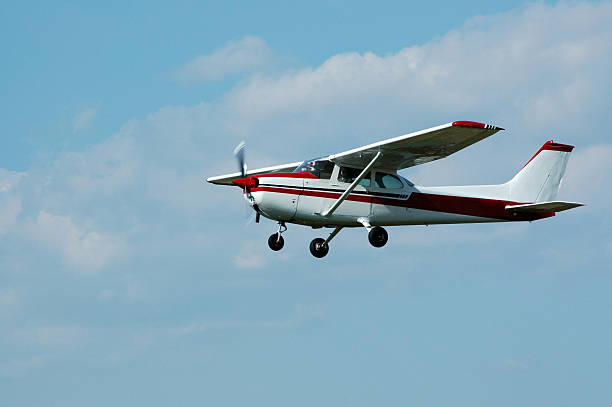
(378, 236)
(318, 247)
(276, 242)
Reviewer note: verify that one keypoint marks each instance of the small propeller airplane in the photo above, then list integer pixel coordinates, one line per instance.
(361, 187)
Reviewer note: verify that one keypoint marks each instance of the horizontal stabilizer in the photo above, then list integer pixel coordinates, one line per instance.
(553, 206)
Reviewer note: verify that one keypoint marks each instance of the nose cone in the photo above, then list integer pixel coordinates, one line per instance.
(246, 182)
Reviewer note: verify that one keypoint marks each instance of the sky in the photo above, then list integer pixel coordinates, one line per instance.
(125, 279)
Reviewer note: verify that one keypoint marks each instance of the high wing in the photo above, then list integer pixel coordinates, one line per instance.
(227, 179)
(419, 147)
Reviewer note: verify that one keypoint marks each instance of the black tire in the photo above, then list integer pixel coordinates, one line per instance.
(276, 242)
(319, 248)
(378, 236)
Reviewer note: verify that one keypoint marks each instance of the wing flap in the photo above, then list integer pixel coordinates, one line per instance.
(552, 206)
(227, 179)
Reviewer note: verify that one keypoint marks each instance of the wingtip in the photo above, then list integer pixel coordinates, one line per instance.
(477, 125)
(213, 180)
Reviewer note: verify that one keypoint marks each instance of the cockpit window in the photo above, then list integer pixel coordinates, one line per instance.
(389, 181)
(349, 175)
(319, 167)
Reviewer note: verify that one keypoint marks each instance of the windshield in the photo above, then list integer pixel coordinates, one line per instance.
(321, 168)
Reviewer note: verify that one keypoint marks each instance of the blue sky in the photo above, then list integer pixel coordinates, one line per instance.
(125, 279)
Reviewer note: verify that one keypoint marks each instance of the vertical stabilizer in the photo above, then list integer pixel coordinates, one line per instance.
(540, 178)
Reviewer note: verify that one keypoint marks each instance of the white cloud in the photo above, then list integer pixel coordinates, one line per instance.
(9, 179)
(81, 247)
(83, 120)
(250, 256)
(543, 65)
(542, 71)
(234, 57)
(10, 201)
(183, 191)
(10, 208)
(589, 177)
(105, 167)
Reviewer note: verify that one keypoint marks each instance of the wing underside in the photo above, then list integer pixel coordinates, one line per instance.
(227, 179)
(419, 147)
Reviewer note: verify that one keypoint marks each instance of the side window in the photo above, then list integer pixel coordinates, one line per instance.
(320, 168)
(388, 181)
(366, 181)
(349, 175)
(325, 169)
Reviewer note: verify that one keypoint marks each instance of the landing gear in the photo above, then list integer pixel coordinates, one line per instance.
(319, 248)
(378, 236)
(276, 241)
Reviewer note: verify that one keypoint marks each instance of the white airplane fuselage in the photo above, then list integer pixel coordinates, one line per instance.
(303, 198)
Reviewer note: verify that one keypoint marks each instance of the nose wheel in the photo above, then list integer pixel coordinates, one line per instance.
(276, 241)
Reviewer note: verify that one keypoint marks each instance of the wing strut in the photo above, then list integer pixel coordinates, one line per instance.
(346, 193)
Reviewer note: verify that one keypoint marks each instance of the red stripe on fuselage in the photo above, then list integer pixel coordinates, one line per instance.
(484, 208)
(480, 207)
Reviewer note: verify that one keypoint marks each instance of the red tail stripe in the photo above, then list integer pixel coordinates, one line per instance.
(552, 146)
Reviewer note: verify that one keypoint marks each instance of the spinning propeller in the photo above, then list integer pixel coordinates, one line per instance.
(239, 153)
(246, 182)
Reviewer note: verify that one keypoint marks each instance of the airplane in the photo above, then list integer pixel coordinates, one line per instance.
(361, 187)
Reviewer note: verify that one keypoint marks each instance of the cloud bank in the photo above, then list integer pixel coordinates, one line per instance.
(234, 57)
(541, 71)
(83, 120)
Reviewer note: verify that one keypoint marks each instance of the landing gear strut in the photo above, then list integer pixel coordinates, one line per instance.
(276, 241)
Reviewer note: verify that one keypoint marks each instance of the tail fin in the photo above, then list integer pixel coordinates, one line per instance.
(540, 178)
